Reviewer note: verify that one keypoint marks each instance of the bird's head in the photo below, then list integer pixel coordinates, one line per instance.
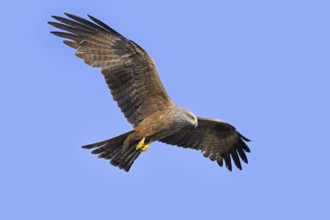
(191, 117)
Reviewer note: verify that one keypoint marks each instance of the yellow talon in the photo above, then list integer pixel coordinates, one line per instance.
(142, 146)
(145, 147)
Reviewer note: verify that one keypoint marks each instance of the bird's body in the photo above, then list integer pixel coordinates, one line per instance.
(163, 123)
(134, 83)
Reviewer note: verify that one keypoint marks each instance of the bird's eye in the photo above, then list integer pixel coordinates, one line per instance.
(192, 117)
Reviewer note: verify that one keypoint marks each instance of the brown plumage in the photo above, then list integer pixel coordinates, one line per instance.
(134, 83)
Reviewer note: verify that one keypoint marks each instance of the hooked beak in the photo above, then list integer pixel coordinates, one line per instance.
(195, 123)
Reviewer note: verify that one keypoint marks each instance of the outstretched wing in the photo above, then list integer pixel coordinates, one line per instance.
(128, 70)
(216, 139)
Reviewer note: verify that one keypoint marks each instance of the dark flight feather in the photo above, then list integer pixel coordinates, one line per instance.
(227, 144)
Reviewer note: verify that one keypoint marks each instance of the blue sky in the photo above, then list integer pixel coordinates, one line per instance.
(263, 66)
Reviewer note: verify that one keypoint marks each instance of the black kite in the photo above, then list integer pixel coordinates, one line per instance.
(133, 80)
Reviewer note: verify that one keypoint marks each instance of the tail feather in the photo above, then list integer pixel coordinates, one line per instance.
(126, 159)
(113, 149)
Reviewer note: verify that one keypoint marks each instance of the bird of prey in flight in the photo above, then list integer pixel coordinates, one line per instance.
(132, 78)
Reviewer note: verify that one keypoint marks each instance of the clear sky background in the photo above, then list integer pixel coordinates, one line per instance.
(263, 66)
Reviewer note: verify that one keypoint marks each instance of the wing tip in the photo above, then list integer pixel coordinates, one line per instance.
(70, 15)
(67, 14)
(52, 23)
(56, 17)
(90, 146)
(91, 16)
(243, 137)
(236, 159)
(245, 160)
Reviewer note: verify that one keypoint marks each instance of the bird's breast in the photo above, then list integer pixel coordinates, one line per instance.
(159, 125)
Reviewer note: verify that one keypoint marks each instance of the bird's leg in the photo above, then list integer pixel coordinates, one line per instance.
(142, 146)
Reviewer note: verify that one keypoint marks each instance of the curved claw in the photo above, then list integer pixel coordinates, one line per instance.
(142, 146)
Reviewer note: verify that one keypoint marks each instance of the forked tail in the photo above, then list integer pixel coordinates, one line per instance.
(114, 150)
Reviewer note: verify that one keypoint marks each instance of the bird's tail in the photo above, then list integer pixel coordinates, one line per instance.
(114, 150)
